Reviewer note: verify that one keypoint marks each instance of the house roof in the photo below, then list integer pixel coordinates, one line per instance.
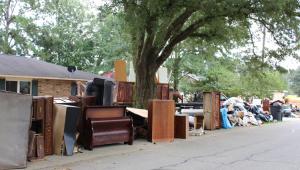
(18, 66)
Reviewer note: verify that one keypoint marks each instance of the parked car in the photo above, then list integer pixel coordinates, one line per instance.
(286, 110)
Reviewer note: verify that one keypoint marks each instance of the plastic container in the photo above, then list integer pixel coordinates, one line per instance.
(276, 111)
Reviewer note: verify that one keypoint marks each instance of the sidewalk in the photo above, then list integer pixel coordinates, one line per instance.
(54, 161)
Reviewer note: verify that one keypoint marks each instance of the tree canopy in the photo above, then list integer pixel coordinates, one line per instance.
(189, 36)
(157, 27)
(63, 32)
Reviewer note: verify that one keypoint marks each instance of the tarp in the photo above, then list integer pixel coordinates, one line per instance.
(225, 122)
(15, 113)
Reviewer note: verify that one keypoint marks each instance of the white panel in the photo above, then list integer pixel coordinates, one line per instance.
(131, 77)
(163, 75)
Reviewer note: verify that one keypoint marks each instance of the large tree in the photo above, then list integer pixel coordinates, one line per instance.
(157, 26)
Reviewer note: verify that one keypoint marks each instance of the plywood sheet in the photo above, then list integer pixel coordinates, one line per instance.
(120, 70)
(163, 75)
(15, 116)
(131, 76)
(58, 128)
(64, 129)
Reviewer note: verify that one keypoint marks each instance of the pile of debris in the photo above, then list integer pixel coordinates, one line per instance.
(241, 113)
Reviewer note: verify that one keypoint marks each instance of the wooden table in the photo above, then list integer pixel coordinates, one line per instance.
(197, 114)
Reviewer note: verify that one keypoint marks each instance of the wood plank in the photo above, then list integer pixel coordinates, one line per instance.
(58, 128)
(48, 126)
(120, 70)
(40, 146)
(140, 112)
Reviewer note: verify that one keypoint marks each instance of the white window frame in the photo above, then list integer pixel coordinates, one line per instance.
(18, 80)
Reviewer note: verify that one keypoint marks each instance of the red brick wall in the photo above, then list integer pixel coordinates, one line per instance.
(56, 88)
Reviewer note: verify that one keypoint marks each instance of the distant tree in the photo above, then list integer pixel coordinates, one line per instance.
(66, 36)
(295, 81)
(16, 27)
(73, 35)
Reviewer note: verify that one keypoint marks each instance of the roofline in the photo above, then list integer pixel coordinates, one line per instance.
(51, 78)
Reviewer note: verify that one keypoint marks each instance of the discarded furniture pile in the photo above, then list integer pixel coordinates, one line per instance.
(204, 115)
(236, 112)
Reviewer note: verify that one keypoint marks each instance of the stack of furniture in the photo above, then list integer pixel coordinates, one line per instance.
(211, 107)
(161, 115)
(41, 131)
(106, 125)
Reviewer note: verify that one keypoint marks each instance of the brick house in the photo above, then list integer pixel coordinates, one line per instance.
(39, 78)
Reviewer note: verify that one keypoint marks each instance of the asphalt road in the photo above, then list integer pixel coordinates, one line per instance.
(271, 146)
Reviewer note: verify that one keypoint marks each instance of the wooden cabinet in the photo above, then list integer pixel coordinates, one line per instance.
(211, 105)
(181, 126)
(38, 108)
(161, 115)
(125, 92)
(162, 91)
(42, 122)
(266, 105)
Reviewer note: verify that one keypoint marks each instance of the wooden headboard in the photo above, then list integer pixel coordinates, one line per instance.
(104, 111)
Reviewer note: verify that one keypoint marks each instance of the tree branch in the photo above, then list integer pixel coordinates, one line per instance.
(267, 26)
(173, 40)
(178, 23)
(166, 51)
(252, 41)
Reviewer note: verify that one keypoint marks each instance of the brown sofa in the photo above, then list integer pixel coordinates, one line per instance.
(106, 125)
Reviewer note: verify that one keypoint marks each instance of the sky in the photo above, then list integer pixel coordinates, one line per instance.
(290, 63)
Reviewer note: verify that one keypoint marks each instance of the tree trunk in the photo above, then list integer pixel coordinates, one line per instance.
(175, 67)
(145, 88)
(7, 18)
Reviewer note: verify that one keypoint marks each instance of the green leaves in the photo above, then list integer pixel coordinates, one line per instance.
(15, 27)
(294, 81)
